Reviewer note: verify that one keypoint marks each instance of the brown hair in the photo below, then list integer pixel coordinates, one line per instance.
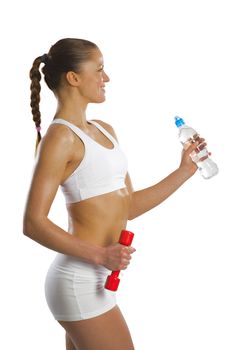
(64, 56)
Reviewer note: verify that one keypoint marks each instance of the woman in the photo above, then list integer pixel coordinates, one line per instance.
(84, 158)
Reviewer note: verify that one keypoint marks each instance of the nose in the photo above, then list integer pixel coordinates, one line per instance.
(105, 77)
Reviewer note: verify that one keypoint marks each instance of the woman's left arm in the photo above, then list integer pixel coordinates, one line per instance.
(148, 198)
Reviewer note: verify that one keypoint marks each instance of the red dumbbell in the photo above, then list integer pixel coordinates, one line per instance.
(112, 281)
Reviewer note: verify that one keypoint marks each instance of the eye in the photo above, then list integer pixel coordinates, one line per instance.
(101, 69)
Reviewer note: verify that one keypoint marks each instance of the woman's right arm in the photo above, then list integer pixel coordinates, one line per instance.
(55, 153)
(53, 157)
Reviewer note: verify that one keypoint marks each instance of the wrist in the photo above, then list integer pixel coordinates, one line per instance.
(98, 255)
(184, 173)
(90, 253)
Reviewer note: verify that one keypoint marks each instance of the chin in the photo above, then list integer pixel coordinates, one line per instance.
(99, 100)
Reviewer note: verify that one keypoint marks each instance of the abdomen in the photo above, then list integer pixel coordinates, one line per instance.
(99, 220)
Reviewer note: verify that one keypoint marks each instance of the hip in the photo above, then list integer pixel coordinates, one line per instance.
(68, 266)
(75, 290)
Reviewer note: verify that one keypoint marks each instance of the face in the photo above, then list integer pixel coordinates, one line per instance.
(92, 79)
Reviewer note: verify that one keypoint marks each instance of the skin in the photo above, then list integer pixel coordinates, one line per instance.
(94, 233)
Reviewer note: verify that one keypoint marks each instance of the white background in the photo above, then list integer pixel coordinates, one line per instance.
(164, 58)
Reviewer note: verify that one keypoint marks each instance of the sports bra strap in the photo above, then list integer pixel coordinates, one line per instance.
(74, 128)
(104, 131)
(83, 136)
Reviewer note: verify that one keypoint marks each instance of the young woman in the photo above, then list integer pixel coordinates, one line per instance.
(84, 158)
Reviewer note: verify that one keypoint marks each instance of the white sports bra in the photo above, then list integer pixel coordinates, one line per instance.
(102, 170)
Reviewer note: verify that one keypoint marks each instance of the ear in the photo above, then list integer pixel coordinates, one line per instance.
(73, 78)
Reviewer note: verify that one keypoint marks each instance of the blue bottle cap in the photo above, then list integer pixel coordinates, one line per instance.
(179, 121)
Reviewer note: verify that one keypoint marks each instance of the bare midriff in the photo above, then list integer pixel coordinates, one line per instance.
(99, 220)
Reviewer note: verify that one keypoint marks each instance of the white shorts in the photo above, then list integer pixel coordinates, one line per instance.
(75, 290)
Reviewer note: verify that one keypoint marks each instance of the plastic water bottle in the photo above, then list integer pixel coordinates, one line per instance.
(188, 135)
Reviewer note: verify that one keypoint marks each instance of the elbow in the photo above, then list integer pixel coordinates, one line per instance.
(132, 210)
(131, 215)
(33, 225)
(29, 226)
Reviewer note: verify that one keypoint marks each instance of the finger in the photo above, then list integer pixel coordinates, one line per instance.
(126, 262)
(125, 256)
(128, 250)
(191, 148)
(200, 139)
(124, 265)
(200, 147)
(131, 250)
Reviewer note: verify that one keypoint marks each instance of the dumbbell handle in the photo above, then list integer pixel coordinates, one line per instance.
(112, 281)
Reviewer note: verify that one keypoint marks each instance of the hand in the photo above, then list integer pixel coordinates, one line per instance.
(117, 257)
(187, 165)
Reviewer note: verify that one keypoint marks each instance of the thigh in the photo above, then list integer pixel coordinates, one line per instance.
(108, 331)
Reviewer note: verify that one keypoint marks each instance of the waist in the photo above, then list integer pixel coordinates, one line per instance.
(67, 264)
(100, 234)
(100, 220)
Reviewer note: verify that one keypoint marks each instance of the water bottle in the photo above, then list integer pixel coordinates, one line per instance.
(188, 135)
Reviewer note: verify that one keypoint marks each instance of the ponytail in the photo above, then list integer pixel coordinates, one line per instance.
(35, 88)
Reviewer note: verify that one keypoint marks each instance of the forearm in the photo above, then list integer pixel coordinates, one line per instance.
(46, 233)
(148, 198)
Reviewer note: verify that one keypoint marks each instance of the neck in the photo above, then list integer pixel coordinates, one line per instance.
(72, 109)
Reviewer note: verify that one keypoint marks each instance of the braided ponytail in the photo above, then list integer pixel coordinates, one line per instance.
(66, 55)
(35, 87)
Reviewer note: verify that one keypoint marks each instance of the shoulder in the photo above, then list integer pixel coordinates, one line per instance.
(107, 127)
(60, 134)
(58, 141)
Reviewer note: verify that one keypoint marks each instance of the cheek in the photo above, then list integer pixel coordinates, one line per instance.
(92, 91)
(87, 86)
(92, 82)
